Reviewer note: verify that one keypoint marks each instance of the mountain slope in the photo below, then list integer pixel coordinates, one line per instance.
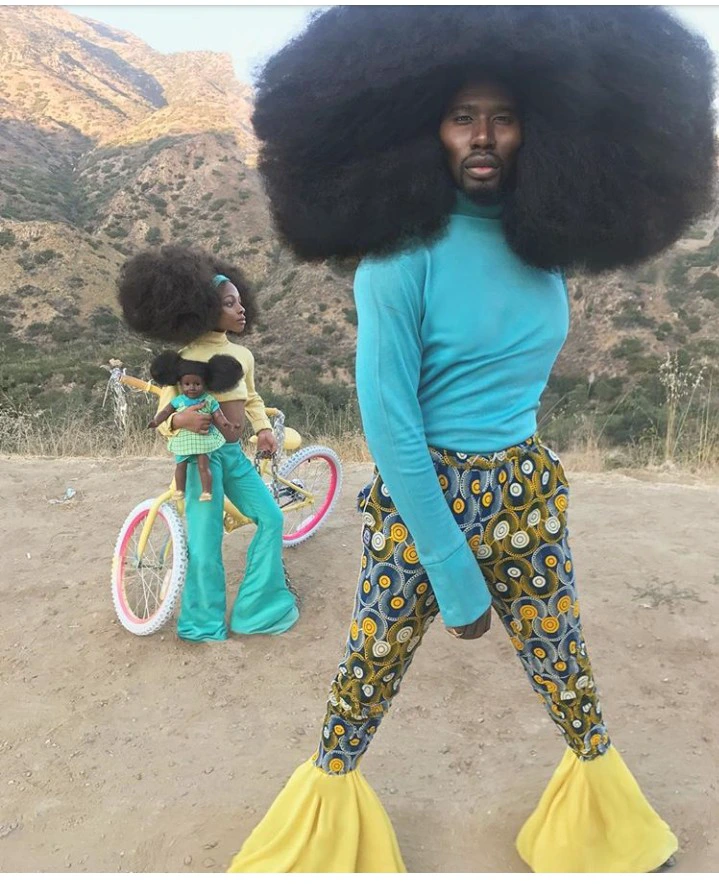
(107, 146)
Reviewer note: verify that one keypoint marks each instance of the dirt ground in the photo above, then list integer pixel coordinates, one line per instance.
(148, 754)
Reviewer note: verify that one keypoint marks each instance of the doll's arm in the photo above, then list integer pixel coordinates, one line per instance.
(221, 422)
(161, 416)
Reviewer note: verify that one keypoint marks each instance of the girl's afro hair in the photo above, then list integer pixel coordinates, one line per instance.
(618, 154)
(220, 373)
(167, 294)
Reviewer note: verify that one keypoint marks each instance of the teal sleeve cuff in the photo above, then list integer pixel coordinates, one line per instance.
(459, 587)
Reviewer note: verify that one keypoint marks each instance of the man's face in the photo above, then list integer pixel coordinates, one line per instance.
(481, 134)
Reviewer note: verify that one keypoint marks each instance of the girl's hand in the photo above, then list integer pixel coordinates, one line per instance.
(189, 419)
(266, 441)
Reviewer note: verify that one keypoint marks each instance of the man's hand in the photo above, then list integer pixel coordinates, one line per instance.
(473, 630)
(189, 419)
(266, 441)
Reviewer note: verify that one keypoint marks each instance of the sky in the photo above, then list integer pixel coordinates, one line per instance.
(249, 33)
(252, 33)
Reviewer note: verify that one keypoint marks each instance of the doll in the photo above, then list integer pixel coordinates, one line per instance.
(221, 373)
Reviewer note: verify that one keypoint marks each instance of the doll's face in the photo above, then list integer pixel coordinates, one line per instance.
(192, 385)
(232, 318)
(481, 134)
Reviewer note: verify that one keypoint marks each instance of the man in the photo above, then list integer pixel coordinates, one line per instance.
(462, 189)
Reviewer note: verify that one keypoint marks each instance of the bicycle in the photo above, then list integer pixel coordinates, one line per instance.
(150, 559)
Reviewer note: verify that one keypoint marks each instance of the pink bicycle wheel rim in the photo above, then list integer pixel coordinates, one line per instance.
(320, 514)
(121, 566)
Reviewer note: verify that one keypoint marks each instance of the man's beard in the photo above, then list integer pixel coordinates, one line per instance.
(495, 196)
(486, 197)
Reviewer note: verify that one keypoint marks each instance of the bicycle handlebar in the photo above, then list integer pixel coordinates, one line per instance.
(137, 384)
(148, 387)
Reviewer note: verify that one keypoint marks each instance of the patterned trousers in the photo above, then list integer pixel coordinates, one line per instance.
(512, 508)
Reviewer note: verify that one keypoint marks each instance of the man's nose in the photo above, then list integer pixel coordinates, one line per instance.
(482, 134)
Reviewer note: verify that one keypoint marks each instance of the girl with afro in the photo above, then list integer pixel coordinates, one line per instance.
(470, 155)
(185, 296)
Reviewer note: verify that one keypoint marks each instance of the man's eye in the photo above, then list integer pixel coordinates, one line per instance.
(505, 118)
(462, 118)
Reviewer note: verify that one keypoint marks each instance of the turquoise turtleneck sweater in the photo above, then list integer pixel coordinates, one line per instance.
(455, 344)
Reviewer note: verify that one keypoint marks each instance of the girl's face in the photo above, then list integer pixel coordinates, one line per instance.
(192, 385)
(232, 318)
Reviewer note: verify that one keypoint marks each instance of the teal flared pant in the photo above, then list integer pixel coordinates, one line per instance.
(264, 604)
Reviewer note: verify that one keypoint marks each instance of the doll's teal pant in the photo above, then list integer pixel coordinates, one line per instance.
(264, 604)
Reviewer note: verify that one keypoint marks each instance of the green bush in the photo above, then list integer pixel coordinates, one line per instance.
(153, 236)
(693, 323)
(45, 256)
(632, 316)
(707, 285)
(627, 348)
(157, 201)
(7, 239)
(116, 232)
(663, 331)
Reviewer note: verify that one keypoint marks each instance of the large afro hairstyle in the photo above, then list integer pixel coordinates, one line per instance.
(220, 373)
(167, 294)
(618, 154)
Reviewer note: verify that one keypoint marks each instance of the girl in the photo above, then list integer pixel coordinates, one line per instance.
(189, 297)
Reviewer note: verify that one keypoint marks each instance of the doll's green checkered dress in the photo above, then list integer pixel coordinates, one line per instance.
(187, 444)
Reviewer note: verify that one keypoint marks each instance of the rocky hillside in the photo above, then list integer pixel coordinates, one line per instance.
(107, 145)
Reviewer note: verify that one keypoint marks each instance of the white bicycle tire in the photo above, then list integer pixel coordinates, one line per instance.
(175, 580)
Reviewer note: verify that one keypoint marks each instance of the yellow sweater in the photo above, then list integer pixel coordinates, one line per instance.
(203, 349)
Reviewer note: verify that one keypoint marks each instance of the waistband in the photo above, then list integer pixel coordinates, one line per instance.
(460, 460)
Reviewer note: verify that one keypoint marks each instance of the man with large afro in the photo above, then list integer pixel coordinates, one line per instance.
(470, 156)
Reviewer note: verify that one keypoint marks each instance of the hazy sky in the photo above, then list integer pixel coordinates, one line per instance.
(249, 33)
(252, 33)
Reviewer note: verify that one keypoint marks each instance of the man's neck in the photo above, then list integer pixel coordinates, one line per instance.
(475, 209)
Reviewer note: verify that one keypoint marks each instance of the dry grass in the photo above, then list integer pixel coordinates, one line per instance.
(36, 434)
(690, 443)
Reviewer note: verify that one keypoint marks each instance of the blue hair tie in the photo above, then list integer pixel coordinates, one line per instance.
(218, 280)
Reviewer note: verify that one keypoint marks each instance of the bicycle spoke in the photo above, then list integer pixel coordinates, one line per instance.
(144, 579)
(314, 476)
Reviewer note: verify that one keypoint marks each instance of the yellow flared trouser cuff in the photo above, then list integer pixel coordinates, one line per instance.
(322, 823)
(593, 817)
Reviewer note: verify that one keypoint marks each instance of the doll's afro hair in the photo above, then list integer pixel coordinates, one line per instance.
(618, 154)
(167, 294)
(220, 373)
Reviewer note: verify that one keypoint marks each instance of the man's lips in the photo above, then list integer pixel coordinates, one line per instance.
(482, 167)
(482, 172)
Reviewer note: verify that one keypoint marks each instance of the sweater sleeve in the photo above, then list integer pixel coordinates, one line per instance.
(167, 395)
(389, 355)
